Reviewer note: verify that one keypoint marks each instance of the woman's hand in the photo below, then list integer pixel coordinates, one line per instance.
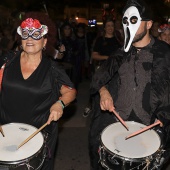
(68, 94)
(56, 112)
(106, 101)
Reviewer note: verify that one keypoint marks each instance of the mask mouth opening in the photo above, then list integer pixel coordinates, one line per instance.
(127, 37)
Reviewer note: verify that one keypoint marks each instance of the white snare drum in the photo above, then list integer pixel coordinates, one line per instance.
(134, 153)
(29, 156)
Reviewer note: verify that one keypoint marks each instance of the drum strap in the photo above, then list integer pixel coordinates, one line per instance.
(7, 60)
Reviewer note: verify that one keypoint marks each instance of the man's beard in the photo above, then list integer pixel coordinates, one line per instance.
(140, 36)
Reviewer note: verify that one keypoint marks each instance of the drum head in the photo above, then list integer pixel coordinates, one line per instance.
(15, 134)
(139, 146)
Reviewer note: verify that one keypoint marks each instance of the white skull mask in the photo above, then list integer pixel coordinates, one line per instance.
(131, 22)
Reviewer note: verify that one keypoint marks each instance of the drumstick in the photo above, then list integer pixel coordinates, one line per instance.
(31, 136)
(121, 120)
(143, 129)
(1, 130)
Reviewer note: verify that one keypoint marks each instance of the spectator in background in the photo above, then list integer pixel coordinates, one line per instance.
(82, 57)
(154, 29)
(104, 46)
(68, 40)
(91, 35)
(7, 40)
(164, 33)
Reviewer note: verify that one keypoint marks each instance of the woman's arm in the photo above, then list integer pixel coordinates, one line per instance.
(68, 95)
(97, 56)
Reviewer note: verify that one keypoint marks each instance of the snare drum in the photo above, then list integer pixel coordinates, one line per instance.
(137, 152)
(29, 156)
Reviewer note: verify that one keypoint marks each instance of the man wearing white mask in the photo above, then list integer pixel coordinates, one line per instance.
(135, 82)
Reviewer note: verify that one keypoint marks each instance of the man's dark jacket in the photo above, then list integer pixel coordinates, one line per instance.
(159, 97)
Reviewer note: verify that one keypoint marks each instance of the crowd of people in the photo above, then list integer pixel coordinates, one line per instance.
(128, 64)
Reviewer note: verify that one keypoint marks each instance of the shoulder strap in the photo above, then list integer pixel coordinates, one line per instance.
(8, 58)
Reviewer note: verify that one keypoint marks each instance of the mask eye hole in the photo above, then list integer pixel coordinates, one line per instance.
(125, 20)
(25, 34)
(36, 34)
(133, 19)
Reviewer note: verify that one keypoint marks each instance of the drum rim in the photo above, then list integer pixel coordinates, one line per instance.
(6, 163)
(126, 158)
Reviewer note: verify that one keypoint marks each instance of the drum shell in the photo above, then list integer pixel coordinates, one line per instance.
(35, 161)
(111, 161)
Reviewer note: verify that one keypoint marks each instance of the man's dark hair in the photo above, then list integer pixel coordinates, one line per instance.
(143, 8)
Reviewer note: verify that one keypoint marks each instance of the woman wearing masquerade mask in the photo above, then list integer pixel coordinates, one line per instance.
(135, 81)
(34, 89)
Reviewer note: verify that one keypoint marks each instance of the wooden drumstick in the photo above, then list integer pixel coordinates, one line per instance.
(1, 130)
(121, 120)
(31, 136)
(143, 129)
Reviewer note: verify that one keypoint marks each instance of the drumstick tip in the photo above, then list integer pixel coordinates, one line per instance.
(127, 128)
(127, 137)
(2, 132)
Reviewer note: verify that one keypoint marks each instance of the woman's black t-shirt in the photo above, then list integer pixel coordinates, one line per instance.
(106, 46)
(29, 100)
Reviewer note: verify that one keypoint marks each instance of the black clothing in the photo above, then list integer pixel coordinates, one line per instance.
(105, 46)
(29, 100)
(157, 96)
(135, 85)
(70, 47)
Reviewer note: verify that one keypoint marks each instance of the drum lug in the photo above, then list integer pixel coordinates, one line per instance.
(102, 160)
(159, 159)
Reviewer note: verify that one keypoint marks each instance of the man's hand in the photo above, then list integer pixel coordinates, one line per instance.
(106, 101)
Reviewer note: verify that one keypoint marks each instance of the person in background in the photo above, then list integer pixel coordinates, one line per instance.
(103, 47)
(67, 39)
(135, 82)
(82, 58)
(154, 29)
(91, 35)
(106, 44)
(7, 40)
(164, 33)
(34, 89)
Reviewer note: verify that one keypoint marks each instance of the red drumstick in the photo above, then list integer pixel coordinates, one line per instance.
(143, 129)
(121, 120)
